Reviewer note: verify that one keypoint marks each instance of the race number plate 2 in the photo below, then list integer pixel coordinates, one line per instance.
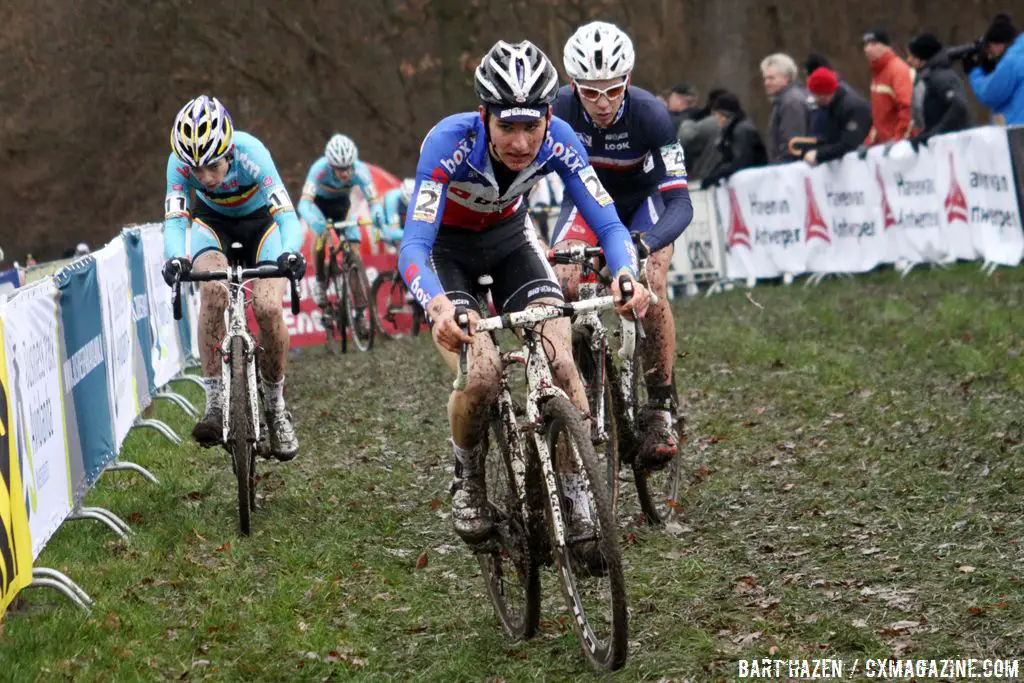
(594, 186)
(428, 199)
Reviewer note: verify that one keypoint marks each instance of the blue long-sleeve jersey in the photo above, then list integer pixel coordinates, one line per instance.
(456, 186)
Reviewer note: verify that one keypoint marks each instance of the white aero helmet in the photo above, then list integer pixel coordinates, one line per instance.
(202, 132)
(598, 51)
(407, 186)
(341, 152)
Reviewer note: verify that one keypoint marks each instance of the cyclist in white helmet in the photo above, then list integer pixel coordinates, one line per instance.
(633, 146)
(241, 199)
(325, 196)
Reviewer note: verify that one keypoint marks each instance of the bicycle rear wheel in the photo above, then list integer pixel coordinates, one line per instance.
(593, 371)
(510, 569)
(243, 447)
(589, 562)
(361, 316)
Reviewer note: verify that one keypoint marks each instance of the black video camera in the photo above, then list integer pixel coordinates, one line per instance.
(966, 51)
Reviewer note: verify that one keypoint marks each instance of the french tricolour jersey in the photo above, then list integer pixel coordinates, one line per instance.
(636, 155)
(456, 187)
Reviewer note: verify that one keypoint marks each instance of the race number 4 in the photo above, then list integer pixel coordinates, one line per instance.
(675, 160)
(428, 199)
(594, 186)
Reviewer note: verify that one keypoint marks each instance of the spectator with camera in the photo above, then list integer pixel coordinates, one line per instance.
(739, 143)
(790, 117)
(940, 99)
(848, 116)
(891, 90)
(995, 67)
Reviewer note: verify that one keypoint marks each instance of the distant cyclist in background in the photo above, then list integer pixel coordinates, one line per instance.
(325, 196)
(396, 206)
(241, 199)
(632, 145)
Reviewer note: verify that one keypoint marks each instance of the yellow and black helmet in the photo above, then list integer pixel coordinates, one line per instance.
(202, 132)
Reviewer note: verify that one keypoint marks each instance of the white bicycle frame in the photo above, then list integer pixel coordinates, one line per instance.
(540, 386)
(236, 326)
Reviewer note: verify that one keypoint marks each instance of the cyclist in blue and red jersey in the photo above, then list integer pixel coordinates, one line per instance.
(241, 199)
(632, 144)
(468, 218)
(325, 196)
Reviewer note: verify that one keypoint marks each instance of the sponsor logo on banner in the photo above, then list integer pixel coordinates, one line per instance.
(956, 202)
(15, 541)
(785, 237)
(739, 233)
(887, 215)
(814, 226)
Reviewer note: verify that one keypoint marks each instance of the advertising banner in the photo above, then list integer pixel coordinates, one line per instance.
(32, 351)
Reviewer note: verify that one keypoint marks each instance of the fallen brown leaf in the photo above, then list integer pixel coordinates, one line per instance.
(421, 561)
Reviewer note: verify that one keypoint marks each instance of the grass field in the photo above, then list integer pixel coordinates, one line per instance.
(856, 490)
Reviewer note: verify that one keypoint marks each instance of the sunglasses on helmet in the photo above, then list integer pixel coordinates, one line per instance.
(592, 94)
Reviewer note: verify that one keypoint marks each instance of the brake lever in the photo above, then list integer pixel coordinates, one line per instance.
(462, 376)
(176, 298)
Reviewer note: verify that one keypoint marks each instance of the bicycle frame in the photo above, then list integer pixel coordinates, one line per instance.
(236, 325)
(540, 387)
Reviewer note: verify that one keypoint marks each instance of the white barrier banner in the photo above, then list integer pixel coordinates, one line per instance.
(114, 280)
(168, 358)
(763, 210)
(698, 254)
(981, 217)
(843, 222)
(32, 347)
(911, 204)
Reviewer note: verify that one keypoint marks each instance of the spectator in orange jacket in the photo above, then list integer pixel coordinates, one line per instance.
(892, 90)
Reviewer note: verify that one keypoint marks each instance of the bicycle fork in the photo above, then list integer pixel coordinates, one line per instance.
(232, 322)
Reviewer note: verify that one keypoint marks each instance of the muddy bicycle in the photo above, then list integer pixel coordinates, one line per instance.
(245, 427)
(541, 444)
(616, 394)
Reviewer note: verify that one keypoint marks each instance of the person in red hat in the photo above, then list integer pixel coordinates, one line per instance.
(849, 116)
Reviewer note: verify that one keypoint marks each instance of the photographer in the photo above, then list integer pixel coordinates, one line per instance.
(940, 100)
(996, 70)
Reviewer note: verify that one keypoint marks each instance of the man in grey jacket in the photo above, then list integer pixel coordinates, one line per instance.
(790, 116)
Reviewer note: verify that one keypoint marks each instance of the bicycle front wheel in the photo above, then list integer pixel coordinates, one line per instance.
(509, 567)
(658, 492)
(361, 317)
(587, 554)
(242, 435)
